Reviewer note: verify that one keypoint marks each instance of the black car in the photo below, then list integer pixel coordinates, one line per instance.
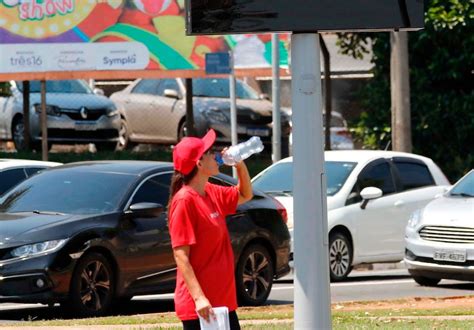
(88, 234)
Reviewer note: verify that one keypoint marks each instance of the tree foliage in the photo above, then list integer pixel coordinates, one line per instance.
(441, 59)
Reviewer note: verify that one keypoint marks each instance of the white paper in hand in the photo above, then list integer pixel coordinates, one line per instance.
(221, 322)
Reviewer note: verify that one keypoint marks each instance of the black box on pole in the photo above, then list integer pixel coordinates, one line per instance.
(247, 16)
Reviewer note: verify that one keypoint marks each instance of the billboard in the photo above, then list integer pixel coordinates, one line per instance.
(84, 35)
(245, 16)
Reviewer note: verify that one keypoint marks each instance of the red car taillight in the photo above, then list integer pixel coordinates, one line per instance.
(281, 210)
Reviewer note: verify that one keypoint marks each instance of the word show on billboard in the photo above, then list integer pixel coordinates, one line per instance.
(39, 9)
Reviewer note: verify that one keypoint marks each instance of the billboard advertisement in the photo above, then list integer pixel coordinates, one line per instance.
(85, 35)
(246, 16)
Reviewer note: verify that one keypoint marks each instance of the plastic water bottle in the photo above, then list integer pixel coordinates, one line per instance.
(241, 151)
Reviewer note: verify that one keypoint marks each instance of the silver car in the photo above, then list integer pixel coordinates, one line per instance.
(440, 237)
(75, 115)
(154, 111)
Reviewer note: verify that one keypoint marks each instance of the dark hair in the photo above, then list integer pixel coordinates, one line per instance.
(178, 180)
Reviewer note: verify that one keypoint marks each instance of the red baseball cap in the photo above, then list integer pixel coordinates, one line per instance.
(190, 149)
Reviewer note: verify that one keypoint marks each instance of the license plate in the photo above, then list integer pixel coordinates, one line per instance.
(85, 126)
(450, 255)
(258, 131)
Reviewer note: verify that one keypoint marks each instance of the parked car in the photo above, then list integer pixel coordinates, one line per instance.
(370, 195)
(75, 114)
(154, 111)
(341, 137)
(14, 171)
(89, 234)
(440, 237)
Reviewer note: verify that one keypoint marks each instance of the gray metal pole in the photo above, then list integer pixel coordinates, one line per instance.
(26, 114)
(400, 92)
(44, 123)
(233, 108)
(311, 279)
(276, 139)
(327, 93)
(190, 130)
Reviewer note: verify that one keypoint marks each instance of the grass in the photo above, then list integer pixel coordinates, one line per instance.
(281, 317)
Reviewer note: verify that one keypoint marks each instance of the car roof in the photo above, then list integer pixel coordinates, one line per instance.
(8, 163)
(361, 155)
(132, 167)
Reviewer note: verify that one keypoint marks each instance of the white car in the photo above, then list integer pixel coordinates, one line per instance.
(13, 171)
(76, 114)
(371, 194)
(440, 237)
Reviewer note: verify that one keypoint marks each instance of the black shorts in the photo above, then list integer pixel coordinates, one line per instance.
(194, 324)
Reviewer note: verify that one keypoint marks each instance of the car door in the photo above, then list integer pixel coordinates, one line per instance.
(376, 225)
(6, 104)
(138, 105)
(416, 188)
(149, 254)
(167, 112)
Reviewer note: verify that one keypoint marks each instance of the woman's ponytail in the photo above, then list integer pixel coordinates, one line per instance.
(177, 182)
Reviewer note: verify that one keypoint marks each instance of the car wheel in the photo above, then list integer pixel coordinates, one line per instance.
(285, 147)
(426, 281)
(124, 142)
(18, 131)
(254, 276)
(182, 130)
(92, 286)
(106, 146)
(340, 257)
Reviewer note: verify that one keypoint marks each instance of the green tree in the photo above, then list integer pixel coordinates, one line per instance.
(441, 82)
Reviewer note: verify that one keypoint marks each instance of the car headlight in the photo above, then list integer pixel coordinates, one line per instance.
(112, 111)
(216, 115)
(51, 110)
(32, 250)
(415, 218)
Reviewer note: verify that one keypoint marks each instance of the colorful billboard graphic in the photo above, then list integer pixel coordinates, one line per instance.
(115, 35)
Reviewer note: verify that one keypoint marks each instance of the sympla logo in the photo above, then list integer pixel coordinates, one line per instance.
(84, 113)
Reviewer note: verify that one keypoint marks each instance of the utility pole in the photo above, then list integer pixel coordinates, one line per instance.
(400, 92)
(311, 251)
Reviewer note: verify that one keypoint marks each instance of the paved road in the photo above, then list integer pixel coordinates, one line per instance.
(361, 285)
(376, 285)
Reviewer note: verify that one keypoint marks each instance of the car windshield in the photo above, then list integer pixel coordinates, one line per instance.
(279, 178)
(68, 192)
(465, 187)
(219, 87)
(59, 86)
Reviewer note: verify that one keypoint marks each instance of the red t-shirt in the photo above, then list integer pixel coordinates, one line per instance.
(199, 221)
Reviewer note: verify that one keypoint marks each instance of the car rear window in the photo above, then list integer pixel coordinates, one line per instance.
(413, 175)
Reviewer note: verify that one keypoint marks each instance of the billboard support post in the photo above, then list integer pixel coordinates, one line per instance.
(311, 279)
(276, 147)
(233, 107)
(44, 123)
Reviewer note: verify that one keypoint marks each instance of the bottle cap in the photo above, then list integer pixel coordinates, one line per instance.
(219, 159)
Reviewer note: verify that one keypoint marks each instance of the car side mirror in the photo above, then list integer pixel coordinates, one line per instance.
(145, 210)
(264, 96)
(369, 193)
(171, 93)
(98, 91)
